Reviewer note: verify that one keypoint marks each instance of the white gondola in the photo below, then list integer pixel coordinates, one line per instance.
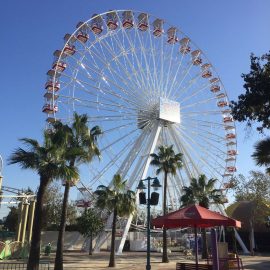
(206, 74)
(59, 66)
(231, 152)
(231, 169)
(227, 119)
(143, 21)
(96, 24)
(222, 103)
(50, 95)
(215, 88)
(230, 136)
(214, 80)
(185, 48)
(171, 34)
(196, 57)
(48, 108)
(158, 27)
(69, 49)
(127, 19)
(221, 95)
(205, 66)
(111, 20)
(50, 85)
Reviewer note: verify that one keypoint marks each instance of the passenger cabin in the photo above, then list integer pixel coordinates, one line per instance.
(111, 20)
(196, 57)
(185, 48)
(59, 66)
(48, 108)
(127, 19)
(227, 119)
(221, 95)
(205, 66)
(69, 38)
(206, 74)
(222, 103)
(231, 152)
(50, 96)
(171, 33)
(230, 159)
(214, 80)
(96, 24)
(143, 21)
(82, 33)
(231, 169)
(230, 136)
(158, 27)
(69, 49)
(215, 88)
(50, 85)
(231, 143)
(229, 127)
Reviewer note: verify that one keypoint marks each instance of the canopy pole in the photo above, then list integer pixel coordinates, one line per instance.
(196, 246)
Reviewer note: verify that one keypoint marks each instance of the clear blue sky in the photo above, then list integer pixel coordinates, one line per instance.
(227, 31)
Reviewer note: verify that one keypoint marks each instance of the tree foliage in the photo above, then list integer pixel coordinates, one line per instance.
(167, 162)
(119, 201)
(261, 154)
(11, 220)
(201, 191)
(254, 104)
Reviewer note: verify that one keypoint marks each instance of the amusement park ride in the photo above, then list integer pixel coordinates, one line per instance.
(26, 208)
(146, 84)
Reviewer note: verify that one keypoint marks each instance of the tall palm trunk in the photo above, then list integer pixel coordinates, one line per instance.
(112, 255)
(34, 254)
(91, 244)
(165, 258)
(58, 265)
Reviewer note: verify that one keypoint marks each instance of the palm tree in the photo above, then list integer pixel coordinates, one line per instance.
(80, 146)
(47, 161)
(262, 153)
(167, 162)
(201, 192)
(118, 200)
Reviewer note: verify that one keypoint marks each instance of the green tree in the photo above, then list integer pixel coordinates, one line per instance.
(119, 201)
(254, 105)
(201, 191)
(167, 162)
(52, 211)
(256, 189)
(11, 220)
(47, 161)
(79, 144)
(261, 154)
(89, 225)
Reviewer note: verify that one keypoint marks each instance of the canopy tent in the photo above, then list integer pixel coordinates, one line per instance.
(194, 216)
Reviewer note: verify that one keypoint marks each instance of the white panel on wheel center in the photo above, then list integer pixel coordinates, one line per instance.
(169, 110)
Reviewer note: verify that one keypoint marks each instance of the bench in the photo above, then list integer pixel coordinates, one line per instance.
(193, 266)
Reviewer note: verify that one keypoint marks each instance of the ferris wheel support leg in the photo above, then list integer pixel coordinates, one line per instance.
(237, 236)
(156, 133)
(123, 169)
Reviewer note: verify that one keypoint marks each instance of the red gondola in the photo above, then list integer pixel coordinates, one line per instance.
(231, 169)
(158, 30)
(222, 103)
(230, 136)
(47, 108)
(59, 66)
(127, 19)
(215, 88)
(227, 119)
(206, 74)
(96, 25)
(185, 48)
(83, 37)
(172, 38)
(111, 20)
(69, 49)
(143, 21)
(231, 152)
(50, 85)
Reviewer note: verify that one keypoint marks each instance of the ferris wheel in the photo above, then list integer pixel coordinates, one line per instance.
(145, 83)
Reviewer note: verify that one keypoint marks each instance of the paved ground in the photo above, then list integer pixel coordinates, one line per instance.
(137, 261)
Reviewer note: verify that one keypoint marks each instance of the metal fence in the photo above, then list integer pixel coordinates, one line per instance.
(22, 265)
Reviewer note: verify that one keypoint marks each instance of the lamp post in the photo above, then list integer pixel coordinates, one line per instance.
(151, 200)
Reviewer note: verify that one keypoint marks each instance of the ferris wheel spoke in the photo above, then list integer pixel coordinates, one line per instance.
(200, 113)
(149, 77)
(131, 65)
(112, 162)
(207, 140)
(174, 80)
(194, 94)
(207, 100)
(186, 141)
(104, 90)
